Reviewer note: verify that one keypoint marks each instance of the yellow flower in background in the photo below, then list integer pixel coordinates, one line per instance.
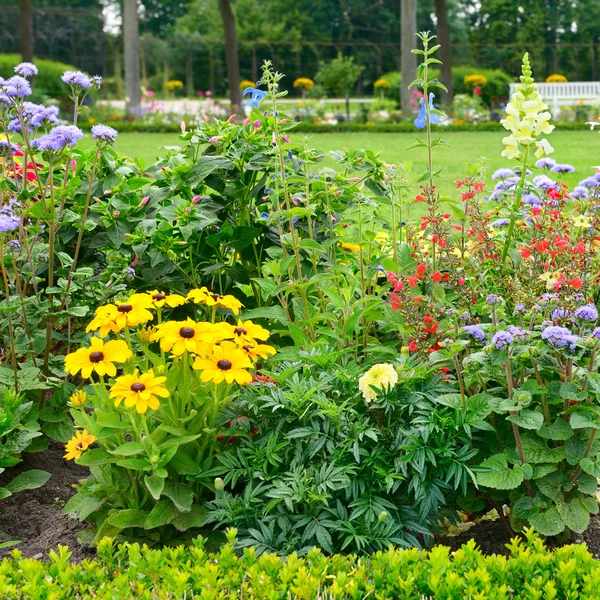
(78, 399)
(203, 296)
(78, 444)
(105, 320)
(303, 83)
(556, 78)
(160, 299)
(381, 238)
(114, 317)
(145, 334)
(179, 336)
(199, 295)
(551, 278)
(227, 363)
(246, 332)
(582, 221)
(99, 358)
(475, 80)
(350, 247)
(256, 350)
(246, 83)
(140, 391)
(382, 377)
(382, 84)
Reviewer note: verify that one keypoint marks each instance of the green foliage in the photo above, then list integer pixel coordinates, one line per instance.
(497, 85)
(310, 463)
(339, 75)
(130, 571)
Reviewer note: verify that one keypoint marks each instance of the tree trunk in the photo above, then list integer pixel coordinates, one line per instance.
(443, 33)
(189, 75)
(231, 54)
(26, 30)
(408, 59)
(131, 46)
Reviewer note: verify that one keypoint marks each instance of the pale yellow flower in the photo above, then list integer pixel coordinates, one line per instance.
(381, 377)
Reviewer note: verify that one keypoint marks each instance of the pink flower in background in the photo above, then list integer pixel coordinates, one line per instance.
(200, 94)
(208, 93)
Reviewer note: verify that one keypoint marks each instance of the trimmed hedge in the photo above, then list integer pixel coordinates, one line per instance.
(531, 572)
(307, 127)
(47, 82)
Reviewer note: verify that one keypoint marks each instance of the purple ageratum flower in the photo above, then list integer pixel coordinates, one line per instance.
(520, 171)
(104, 133)
(580, 193)
(15, 244)
(560, 313)
(559, 337)
(519, 308)
(26, 69)
(7, 147)
(492, 299)
(130, 272)
(531, 199)
(9, 221)
(76, 79)
(499, 222)
(518, 333)
(578, 297)
(96, 80)
(543, 182)
(475, 331)
(502, 339)
(589, 182)
(588, 312)
(545, 163)
(564, 168)
(17, 87)
(465, 316)
(58, 138)
(35, 115)
(547, 296)
(502, 174)
(596, 333)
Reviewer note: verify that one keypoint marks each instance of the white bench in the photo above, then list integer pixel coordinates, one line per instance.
(567, 93)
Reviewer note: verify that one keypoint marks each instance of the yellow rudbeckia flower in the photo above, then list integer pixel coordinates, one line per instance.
(99, 358)
(79, 398)
(203, 296)
(140, 391)
(78, 444)
(160, 299)
(227, 363)
(247, 331)
(255, 350)
(179, 336)
(350, 247)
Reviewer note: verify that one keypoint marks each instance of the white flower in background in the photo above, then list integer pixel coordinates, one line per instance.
(381, 377)
(527, 118)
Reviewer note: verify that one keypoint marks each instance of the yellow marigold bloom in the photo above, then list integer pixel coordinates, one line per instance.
(140, 391)
(204, 296)
(255, 350)
(79, 398)
(582, 221)
(179, 336)
(160, 299)
(382, 377)
(350, 247)
(227, 363)
(78, 444)
(99, 357)
(246, 332)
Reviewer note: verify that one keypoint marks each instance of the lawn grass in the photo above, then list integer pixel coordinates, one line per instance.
(578, 148)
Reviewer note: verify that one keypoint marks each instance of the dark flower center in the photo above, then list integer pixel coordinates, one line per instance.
(186, 332)
(247, 348)
(138, 387)
(216, 297)
(124, 308)
(79, 446)
(158, 296)
(240, 331)
(224, 364)
(96, 357)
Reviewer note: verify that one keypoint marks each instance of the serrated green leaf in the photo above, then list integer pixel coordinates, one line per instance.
(495, 473)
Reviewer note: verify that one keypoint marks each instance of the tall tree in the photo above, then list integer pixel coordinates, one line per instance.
(26, 30)
(231, 53)
(408, 60)
(131, 43)
(443, 33)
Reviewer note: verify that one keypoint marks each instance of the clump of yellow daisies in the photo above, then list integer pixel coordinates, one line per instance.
(527, 118)
(217, 351)
(379, 378)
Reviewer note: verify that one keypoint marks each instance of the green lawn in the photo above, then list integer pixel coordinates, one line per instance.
(579, 148)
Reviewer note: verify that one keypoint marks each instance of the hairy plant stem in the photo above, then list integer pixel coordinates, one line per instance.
(11, 336)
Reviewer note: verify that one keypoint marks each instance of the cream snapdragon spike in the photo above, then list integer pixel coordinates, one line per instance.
(527, 118)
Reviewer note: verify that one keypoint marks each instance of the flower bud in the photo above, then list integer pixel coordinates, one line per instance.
(182, 126)
(196, 199)
(219, 485)
(144, 200)
(231, 119)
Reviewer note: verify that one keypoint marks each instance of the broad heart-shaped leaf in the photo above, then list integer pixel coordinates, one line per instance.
(547, 522)
(495, 473)
(575, 515)
(584, 417)
(180, 494)
(528, 419)
(536, 450)
(551, 484)
(164, 512)
(558, 430)
(130, 517)
(590, 467)
(186, 520)
(451, 400)
(524, 508)
(155, 485)
(30, 480)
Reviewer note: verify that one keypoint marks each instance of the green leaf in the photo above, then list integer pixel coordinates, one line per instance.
(575, 515)
(30, 480)
(184, 464)
(162, 514)
(551, 485)
(129, 449)
(547, 522)
(130, 517)
(179, 441)
(180, 494)
(4, 493)
(524, 508)
(559, 430)
(528, 419)
(590, 467)
(451, 400)
(186, 520)
(267, 312)
(155, 485)
(95, 457)
(136, 464)
(495, 473)
(580, 420)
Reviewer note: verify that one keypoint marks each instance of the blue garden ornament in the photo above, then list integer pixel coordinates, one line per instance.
(421, 120)
(256, 98)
